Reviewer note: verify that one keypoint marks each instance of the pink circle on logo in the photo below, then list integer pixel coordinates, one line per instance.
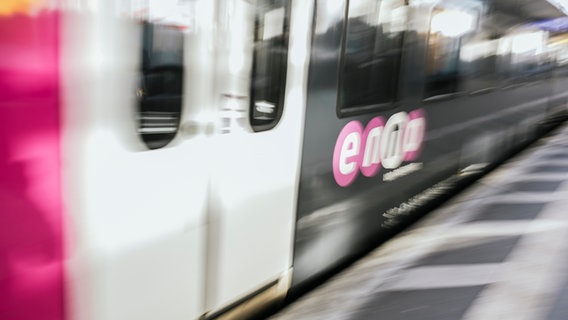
(413, 154)
(347, 154)
(370, 158)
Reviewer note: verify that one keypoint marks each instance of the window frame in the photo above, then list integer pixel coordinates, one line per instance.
(157, 140)
(283, 76)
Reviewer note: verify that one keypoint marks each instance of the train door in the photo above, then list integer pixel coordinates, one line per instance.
(260, 83)
(137, 86)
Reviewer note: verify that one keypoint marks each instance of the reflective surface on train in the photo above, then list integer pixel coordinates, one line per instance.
(185, 159)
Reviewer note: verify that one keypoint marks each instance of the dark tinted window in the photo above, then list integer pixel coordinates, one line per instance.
(371, 55)
(449, 29)
(161, 84)
(269, 64)
(480, 65)
(481, 62)
(528, 56)
(478, 46)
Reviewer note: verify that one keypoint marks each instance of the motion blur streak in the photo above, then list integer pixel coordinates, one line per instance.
(30, 187)
(9, 7)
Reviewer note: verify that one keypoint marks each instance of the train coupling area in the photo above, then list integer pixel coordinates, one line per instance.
(498, 250)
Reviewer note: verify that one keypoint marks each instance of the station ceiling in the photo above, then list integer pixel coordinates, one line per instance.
(530, 9)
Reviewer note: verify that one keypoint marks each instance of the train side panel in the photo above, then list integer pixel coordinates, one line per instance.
(402, 97)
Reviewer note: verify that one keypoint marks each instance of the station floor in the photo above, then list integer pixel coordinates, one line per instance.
(498, 250)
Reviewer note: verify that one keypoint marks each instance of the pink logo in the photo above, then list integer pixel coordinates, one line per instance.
(414, 134)
(370, 165)
(346, 156)
(382, 143)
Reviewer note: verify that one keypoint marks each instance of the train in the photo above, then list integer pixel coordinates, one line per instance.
(205, 159)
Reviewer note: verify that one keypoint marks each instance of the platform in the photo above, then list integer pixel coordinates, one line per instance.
(498, 250)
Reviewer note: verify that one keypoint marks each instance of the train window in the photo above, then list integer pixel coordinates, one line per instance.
(269, 63)
(481, 62)
(371, 55)
(160, 87)
(528, 57)
(444, 71)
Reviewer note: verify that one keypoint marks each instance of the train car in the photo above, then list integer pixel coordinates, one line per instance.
(403, 96)
(203, 159)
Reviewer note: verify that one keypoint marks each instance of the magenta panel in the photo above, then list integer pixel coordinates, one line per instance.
(31, 235)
